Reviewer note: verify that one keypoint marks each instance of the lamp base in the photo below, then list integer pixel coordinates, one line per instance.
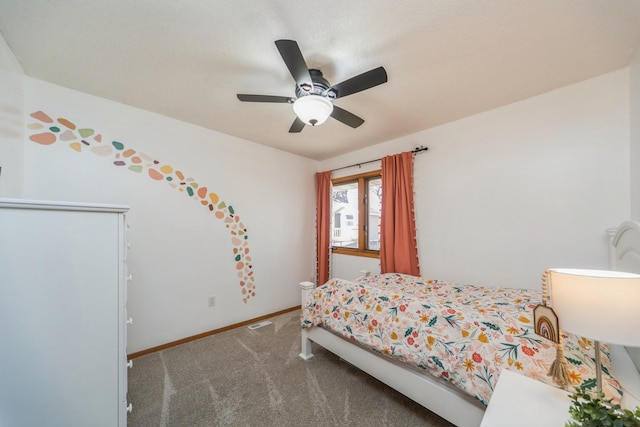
(596, 345)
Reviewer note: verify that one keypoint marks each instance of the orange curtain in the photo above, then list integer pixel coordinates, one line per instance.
(398, 244)
(323, 225)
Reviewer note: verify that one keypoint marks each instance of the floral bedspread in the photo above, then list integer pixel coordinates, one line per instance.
(463, 334)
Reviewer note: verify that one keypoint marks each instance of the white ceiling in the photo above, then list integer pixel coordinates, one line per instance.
(446, 59)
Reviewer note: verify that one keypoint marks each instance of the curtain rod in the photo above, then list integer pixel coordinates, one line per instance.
(416, 150)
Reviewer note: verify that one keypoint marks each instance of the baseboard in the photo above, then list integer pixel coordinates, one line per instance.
(208, 333)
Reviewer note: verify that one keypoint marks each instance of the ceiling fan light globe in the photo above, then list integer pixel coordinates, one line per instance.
(313, 109)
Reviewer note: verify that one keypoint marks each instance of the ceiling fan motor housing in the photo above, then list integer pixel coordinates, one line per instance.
(321, 86)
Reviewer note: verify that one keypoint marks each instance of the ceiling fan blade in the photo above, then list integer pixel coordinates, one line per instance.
(296, 126)
(264, 98)
(363, 81)
(346, 117)
(294, 60)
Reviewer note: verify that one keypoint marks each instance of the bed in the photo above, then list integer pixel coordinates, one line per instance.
(446, 387)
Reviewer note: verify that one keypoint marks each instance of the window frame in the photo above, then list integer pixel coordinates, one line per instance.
(363, 211)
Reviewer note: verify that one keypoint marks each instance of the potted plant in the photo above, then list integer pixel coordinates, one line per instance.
(588, 410)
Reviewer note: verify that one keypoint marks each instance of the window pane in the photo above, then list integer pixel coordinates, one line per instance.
(344, 230)
(373, 216)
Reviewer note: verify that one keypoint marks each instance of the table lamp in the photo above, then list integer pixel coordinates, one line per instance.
(600, 305)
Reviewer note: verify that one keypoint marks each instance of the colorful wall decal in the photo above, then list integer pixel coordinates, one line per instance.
(46, 131)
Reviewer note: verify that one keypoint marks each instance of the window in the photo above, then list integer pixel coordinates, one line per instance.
(355, 208)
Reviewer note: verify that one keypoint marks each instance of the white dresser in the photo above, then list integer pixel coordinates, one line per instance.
(63, 320)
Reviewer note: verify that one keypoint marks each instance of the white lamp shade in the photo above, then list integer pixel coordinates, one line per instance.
(313, 109)
(597, 304)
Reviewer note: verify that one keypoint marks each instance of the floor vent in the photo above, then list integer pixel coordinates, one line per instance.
(259, 324)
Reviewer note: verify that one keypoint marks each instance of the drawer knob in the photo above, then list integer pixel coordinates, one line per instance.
(130, 321)
(130, 408)
(130, 364)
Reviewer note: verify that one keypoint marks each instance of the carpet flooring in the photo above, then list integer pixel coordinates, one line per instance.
(245, 377)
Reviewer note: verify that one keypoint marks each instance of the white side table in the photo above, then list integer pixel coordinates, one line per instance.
(525, 402)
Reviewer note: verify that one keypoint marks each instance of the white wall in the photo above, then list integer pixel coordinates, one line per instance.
(634, 91)
(11, 123)
(505, 194)
(181, 253)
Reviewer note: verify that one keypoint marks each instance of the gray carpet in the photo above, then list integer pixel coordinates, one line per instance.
(255, 378)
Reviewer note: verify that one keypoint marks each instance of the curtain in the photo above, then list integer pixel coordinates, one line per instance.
(398, 244)
(323, 225)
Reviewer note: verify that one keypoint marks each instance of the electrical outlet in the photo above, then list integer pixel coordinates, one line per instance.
(212, 301)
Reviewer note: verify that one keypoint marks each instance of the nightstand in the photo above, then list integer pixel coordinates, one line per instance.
(524, 402)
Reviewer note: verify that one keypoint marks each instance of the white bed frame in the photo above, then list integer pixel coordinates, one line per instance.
(451, 404)
(624, 255)
(435, 395)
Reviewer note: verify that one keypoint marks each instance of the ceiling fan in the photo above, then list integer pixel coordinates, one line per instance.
(313, 102)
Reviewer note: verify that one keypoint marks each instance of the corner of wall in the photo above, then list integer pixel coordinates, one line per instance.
(634, 133)
(11, 123)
